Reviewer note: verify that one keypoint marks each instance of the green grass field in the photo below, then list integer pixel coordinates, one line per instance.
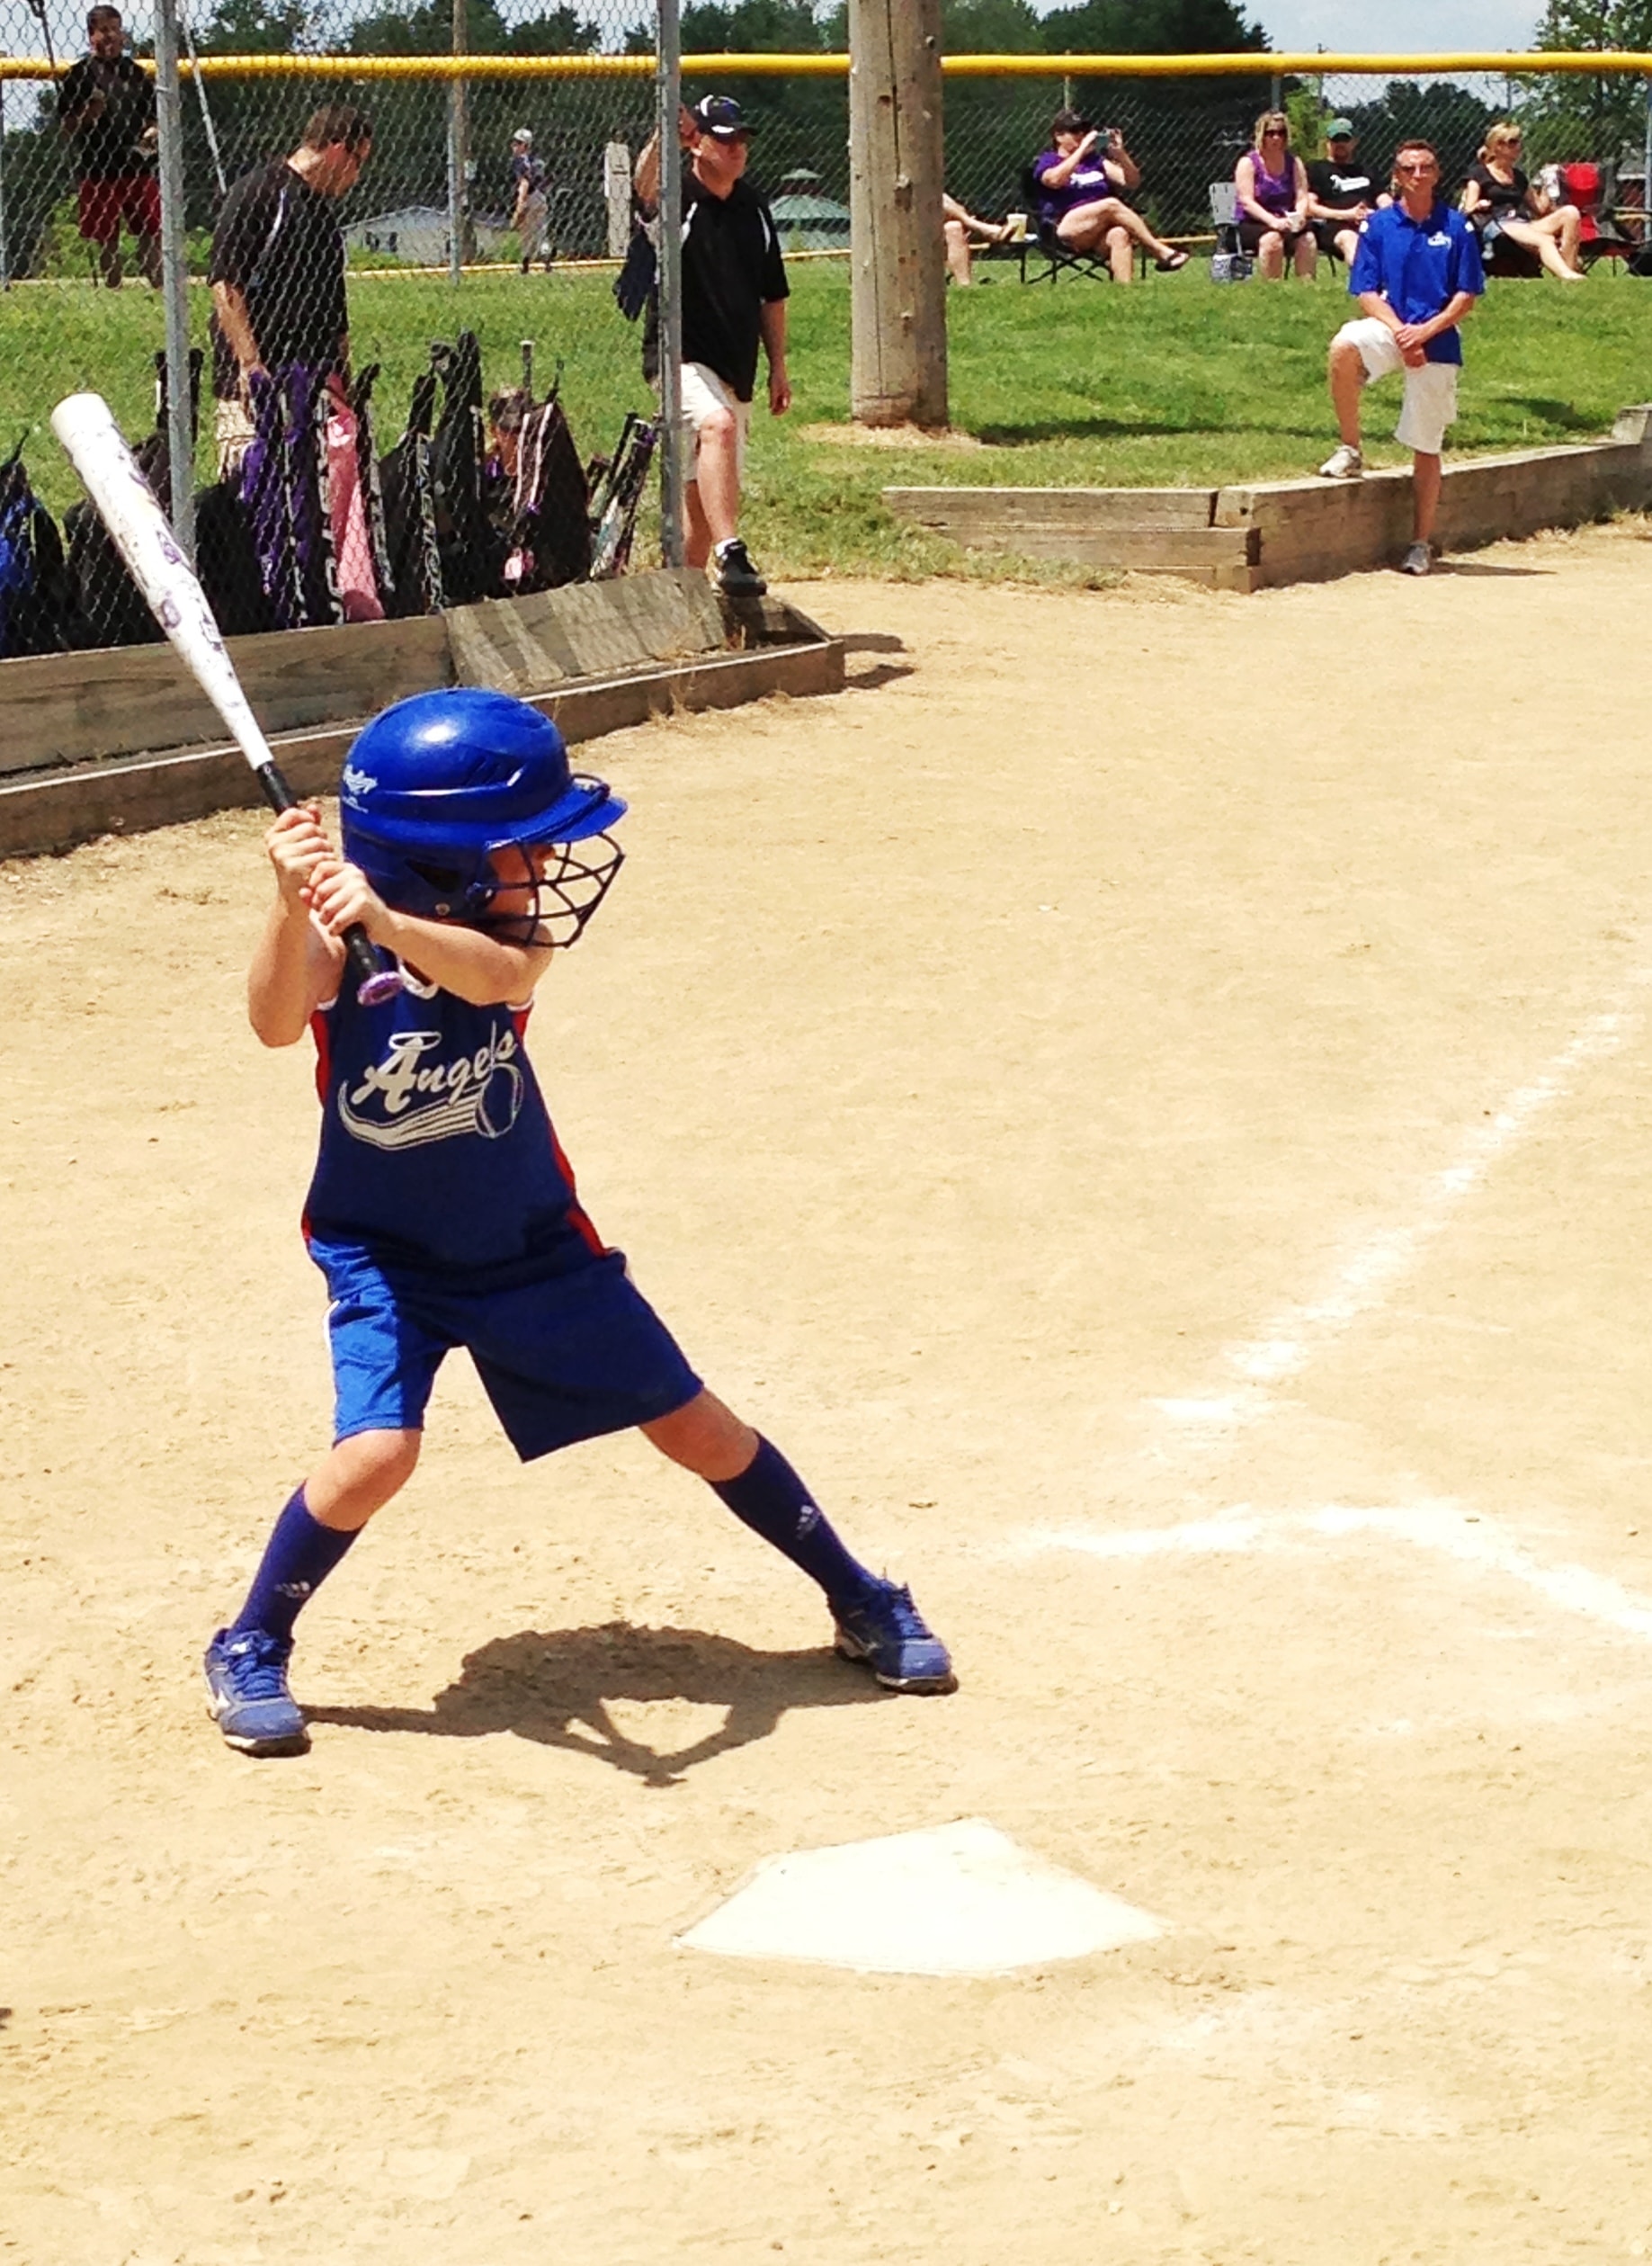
(1175, 381)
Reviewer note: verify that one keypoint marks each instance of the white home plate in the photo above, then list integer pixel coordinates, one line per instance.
(958, 1899)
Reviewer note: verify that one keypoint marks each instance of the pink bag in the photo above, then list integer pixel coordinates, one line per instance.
(353, 550)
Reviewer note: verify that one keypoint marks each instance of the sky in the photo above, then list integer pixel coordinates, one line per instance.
(1394, 27)
(1388, 27)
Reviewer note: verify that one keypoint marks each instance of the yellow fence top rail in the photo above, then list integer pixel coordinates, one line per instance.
(1252, 63)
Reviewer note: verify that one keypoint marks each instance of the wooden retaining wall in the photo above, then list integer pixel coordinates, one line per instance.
(121, 740)
(1259, 536)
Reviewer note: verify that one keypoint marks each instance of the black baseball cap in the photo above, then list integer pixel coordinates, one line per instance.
(719, 115)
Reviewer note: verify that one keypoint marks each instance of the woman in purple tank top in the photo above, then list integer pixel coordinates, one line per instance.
(1269, 185)
(1083, 183)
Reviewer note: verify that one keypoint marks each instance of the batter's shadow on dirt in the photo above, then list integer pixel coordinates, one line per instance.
(867, 680)
(558, 1687)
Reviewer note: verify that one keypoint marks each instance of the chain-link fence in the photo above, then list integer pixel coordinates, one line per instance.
(1187, 133)
(457, 229)
(461, 413)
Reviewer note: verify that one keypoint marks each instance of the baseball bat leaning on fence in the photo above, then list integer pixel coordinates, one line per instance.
(126, 504)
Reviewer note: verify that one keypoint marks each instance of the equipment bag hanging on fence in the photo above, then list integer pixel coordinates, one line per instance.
(306, 405)
(228, 562)
(115, 609)
(410, 510)
(371, 487)
(39, 612)
(266, 504)
(472, 554)
(551, 524)
(615, 499)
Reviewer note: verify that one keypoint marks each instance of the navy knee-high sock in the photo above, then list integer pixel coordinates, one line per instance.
(773, 1503)
(297, 1560)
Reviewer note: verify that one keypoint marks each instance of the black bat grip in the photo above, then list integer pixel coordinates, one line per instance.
(374, 982)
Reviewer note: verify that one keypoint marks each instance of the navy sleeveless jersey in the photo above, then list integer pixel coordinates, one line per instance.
(437, 1150)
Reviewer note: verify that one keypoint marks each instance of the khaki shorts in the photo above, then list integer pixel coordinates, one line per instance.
(1430, 404)
(232, 429)
(703, 394)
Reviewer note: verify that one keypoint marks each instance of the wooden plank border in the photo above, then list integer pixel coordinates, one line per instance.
(53, 810)
(1298, 531)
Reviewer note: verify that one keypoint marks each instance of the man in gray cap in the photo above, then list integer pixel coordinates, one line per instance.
(1341, 193)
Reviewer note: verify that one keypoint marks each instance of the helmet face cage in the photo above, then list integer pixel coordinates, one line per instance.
(560, 884)
(567, 880)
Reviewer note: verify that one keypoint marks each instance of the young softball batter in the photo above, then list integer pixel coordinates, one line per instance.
(442, 1211)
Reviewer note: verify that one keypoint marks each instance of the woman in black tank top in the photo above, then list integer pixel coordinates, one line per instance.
(1500, 201)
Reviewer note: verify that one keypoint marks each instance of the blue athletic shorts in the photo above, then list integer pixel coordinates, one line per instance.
(562, 1360)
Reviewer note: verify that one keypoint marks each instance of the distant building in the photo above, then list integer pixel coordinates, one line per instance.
(808, 221)
(418, 235)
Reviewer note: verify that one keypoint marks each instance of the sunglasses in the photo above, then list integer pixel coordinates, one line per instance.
(1419, 164)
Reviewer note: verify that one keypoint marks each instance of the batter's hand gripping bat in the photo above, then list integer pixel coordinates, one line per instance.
(127, 507)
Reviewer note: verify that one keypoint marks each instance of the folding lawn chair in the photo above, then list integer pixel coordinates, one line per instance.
(1229, 262)
(1601, 239)
(1042, 242)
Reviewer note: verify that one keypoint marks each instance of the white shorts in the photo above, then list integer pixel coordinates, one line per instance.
(703, 394)
(1430, 392)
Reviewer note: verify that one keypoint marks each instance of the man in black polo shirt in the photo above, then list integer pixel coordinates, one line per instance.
(278, 305)
(278, 259)
(106, 107)
(734, 300)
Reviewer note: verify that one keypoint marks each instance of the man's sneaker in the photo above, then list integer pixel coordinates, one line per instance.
(736, 576)
(1418, 559)
(247, 1695)
(1344, 463)
(887, 1631)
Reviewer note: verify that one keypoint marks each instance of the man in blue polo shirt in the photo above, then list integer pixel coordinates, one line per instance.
(1416, 273)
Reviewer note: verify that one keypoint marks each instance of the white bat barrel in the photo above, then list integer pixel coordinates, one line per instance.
(127, 505)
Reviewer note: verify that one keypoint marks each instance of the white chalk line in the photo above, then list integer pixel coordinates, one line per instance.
(1444, 1528)
(1365, 1279)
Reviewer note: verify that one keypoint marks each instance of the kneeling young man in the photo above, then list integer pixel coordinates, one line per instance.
(442, 1211)
(1416, 273)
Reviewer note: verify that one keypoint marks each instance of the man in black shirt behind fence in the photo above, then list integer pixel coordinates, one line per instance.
(278, 258)
(278, 307)
(734, 300)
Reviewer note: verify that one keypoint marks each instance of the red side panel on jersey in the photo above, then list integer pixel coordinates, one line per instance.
(576, 1212)
(321, 1031)
(577, 1215)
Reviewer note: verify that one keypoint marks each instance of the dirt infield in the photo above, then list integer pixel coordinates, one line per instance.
(1145, 1098)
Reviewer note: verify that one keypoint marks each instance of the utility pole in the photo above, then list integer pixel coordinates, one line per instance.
(459, 154)
(898, 363)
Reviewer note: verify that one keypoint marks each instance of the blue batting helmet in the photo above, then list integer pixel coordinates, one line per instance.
(438, 784)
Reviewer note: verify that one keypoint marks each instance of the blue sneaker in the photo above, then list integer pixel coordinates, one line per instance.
(885, 1630)
(247, 1695)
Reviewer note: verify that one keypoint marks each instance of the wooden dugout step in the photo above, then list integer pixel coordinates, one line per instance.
(1266, 533)
(122, 740)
